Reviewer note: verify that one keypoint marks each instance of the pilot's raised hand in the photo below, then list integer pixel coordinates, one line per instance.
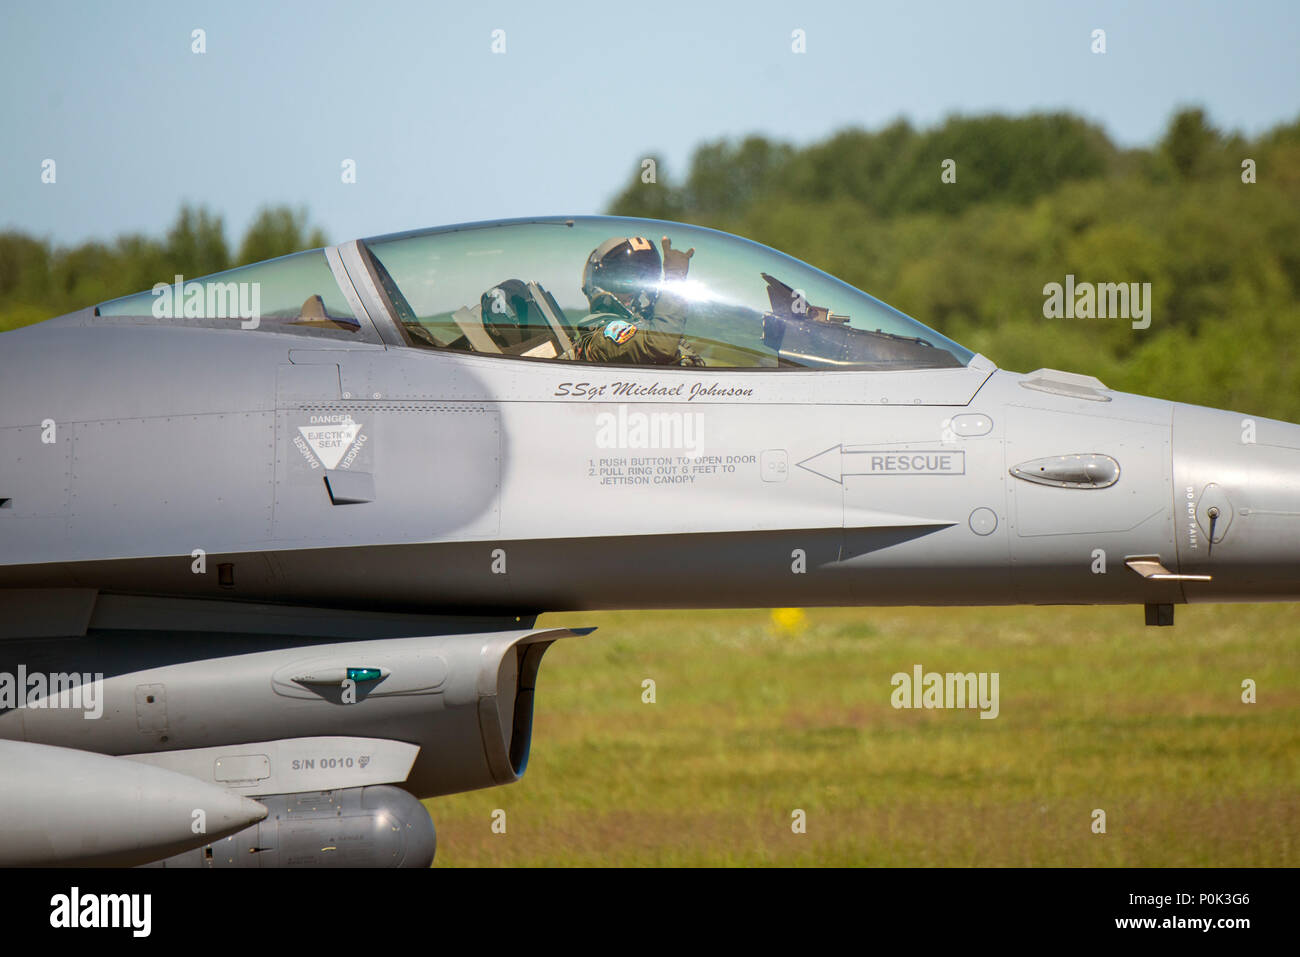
(676, 262)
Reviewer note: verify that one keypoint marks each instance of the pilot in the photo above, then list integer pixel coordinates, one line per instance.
(636, 315)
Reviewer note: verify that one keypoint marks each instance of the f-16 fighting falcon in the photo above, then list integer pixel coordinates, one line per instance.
(273, 543)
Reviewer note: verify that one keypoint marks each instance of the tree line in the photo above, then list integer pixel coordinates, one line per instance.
(1210, 219)
(39, 280)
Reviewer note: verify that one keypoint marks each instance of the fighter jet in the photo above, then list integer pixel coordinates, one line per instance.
(273, 543)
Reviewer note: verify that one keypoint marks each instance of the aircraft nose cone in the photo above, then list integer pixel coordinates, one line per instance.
(1237, 505)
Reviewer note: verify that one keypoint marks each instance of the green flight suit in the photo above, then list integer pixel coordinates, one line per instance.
(657, 340)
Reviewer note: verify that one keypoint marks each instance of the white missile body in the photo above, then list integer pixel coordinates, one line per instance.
(83, 808)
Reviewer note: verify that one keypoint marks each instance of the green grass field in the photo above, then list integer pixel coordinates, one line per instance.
(753, 720)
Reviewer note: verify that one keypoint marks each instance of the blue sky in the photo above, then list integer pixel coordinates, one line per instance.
(443, 130)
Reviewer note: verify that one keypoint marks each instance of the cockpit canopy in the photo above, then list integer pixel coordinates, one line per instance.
(526, 288)
(295, 293)
(547, 289)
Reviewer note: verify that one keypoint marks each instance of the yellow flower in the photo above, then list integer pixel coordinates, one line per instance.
(789, 621)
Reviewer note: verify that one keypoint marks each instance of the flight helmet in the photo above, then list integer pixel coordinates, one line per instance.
(627, 270)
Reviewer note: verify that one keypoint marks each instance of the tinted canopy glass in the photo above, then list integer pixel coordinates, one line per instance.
(623, 291)
(291, 294)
